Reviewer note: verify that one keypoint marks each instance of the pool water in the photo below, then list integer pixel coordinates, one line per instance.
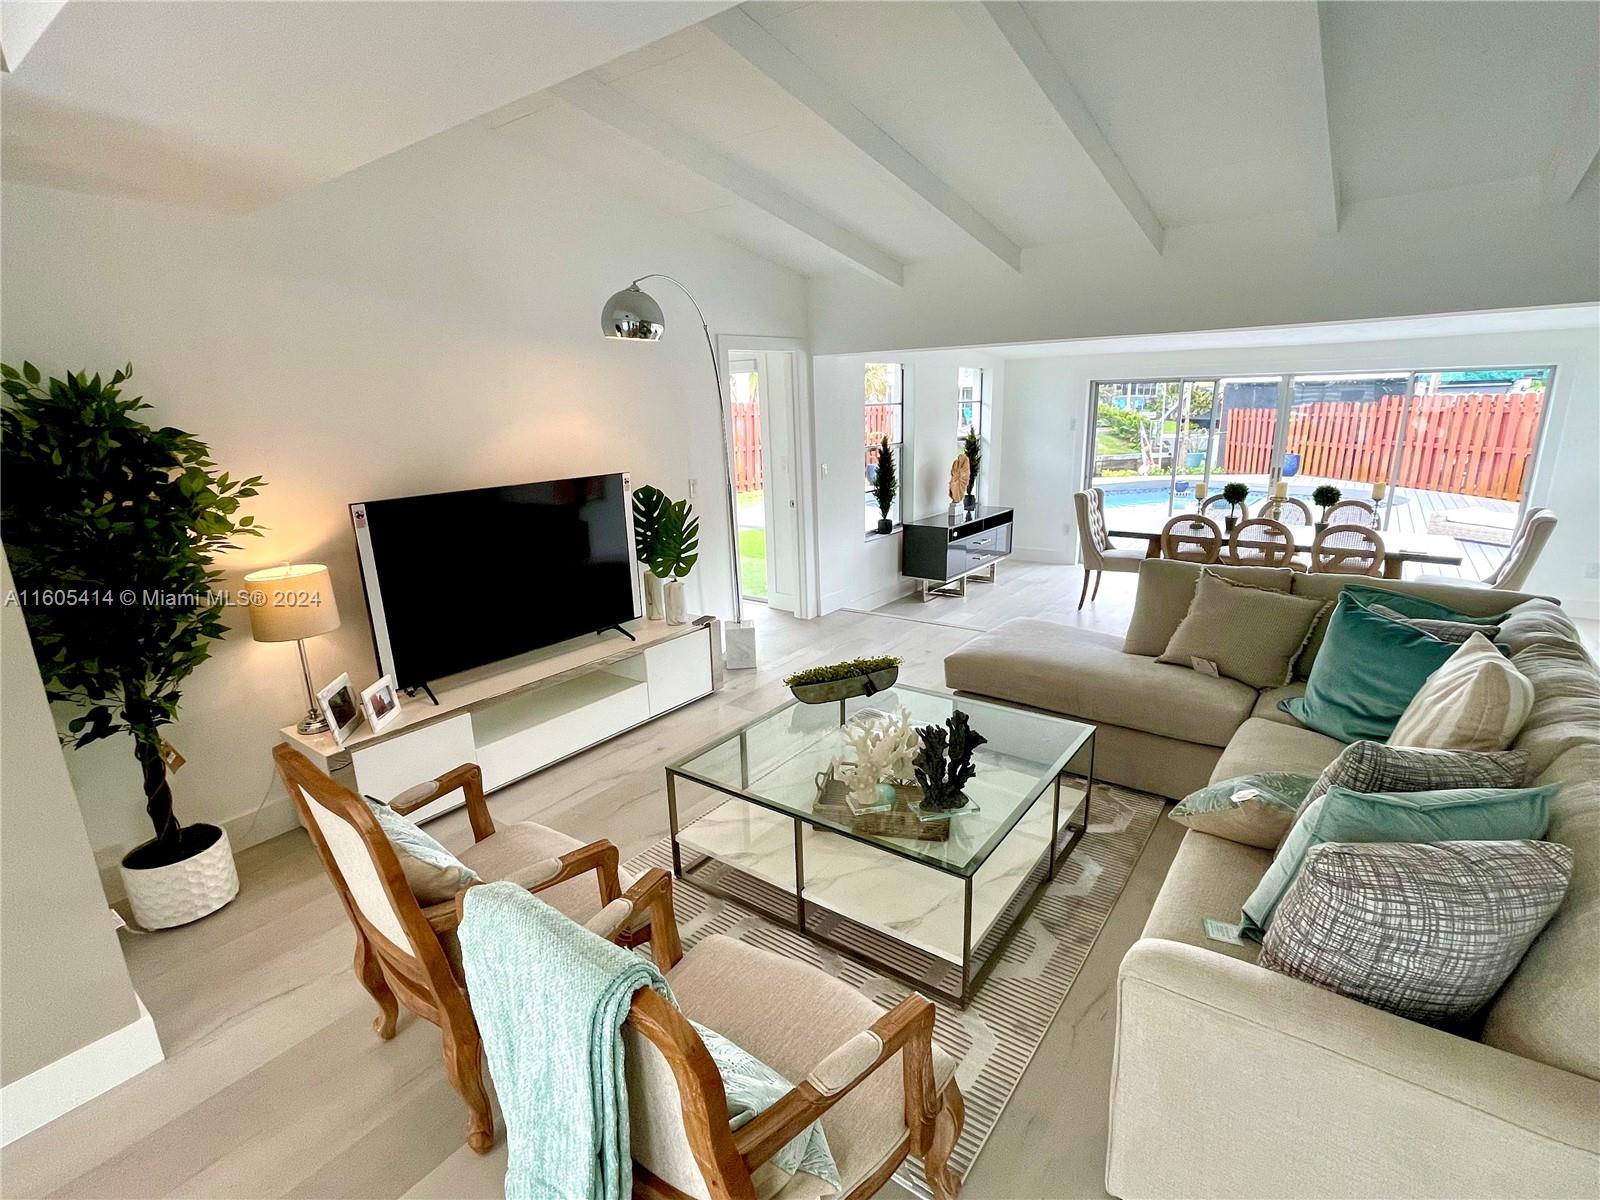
(1143, 493)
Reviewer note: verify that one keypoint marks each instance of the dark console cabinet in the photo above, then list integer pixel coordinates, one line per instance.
(944, 551)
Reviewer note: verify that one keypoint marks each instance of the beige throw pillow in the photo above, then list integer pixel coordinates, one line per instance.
(1476, 701)
(1247, 633)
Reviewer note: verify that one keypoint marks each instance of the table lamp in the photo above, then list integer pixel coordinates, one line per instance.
(289, 604)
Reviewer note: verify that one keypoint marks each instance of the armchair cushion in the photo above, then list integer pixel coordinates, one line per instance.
(791, 1015)
(520, 854)
(432, 871)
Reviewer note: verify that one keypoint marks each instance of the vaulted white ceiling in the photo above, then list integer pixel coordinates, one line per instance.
(828, 136)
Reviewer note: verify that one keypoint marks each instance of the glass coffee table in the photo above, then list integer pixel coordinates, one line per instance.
(743, 814)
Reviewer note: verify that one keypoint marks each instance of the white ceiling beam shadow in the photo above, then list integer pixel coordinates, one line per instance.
(606, 103)
(1577, 146)
(751, 41)
(1326, 203)
(1019, 32)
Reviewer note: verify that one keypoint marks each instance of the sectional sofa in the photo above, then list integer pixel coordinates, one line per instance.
(1230, 1080)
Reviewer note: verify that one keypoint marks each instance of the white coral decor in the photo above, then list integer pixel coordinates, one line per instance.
(884, 745)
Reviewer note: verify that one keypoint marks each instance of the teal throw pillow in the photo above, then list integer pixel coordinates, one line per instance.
(1367, 672)
(435, 875)
(1415, 607)
(1457, 815)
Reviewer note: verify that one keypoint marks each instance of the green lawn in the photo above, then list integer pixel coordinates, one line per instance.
(753, 562)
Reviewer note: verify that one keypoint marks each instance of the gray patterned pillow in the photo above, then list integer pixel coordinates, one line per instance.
(1426, 930)
(1369, 767)
(1445, 631)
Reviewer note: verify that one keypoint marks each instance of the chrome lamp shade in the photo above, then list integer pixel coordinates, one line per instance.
(632, 315)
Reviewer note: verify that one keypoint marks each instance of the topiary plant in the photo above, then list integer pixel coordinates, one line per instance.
(1326, 496)
(1235, 493)
(974, 451)
(111, 527)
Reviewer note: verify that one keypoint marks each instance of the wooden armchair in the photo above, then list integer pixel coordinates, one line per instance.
(406, 953)
(788, 1014)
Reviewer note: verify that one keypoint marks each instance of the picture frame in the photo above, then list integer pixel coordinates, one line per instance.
(380, 703)
(341, 708)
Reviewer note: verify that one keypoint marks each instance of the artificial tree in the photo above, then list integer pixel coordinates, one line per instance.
(111, 527)
(885, 485)
(973, 449)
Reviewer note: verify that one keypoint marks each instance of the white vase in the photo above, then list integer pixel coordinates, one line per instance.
(654, 606)
(180, 892)
(677, 612)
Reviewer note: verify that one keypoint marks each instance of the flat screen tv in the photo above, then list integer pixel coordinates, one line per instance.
(457, 580)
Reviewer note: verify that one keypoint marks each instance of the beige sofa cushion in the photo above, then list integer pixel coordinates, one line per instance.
(1535, 622)
(1243, 632)
(1263, 745)
(1061, 669)
(1475, 602)
(1210, 877)
(1166, 589)
(1550, 1009)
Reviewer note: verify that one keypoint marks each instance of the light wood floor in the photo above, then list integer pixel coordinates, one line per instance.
(274, 1084)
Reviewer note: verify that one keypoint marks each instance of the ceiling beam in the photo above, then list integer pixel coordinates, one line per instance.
(746, 37)
(1577, 146)
(607, 104)
(1326, 203)
(1019, 32)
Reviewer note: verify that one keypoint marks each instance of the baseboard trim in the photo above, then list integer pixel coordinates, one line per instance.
(275, 817)
(57, 1088)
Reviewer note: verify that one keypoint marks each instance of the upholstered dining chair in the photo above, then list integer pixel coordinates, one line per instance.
(1352, 512)
(1190, 537)
(1526, 545)
(1287, 510)
(1260, 542)
(1347, 550)
(874, 1078)
(406, 952)
(1099, 554)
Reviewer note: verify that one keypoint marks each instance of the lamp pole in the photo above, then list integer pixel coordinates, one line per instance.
(727, 462)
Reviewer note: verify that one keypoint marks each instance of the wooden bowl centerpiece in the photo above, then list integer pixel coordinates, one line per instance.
(845, 680)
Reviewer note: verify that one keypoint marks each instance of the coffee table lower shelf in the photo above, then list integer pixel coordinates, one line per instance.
(939, 932)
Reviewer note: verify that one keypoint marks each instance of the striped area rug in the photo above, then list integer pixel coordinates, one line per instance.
(996, 1036)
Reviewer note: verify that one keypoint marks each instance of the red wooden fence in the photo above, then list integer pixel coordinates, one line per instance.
(746, 446)
(1472, 445)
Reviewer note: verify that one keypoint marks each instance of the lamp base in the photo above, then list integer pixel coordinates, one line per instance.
(739, 645)
(313, 722)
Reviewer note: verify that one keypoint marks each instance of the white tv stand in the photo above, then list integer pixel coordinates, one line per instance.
(519, 716)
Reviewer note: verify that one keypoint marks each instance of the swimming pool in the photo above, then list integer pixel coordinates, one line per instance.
(1142, 493)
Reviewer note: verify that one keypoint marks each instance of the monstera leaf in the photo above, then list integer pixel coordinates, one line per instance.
(648, 503)
(676, 547)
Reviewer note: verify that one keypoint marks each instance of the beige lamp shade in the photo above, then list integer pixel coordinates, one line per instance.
(289, 603)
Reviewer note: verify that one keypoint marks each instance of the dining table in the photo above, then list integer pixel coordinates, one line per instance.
(1399, 547)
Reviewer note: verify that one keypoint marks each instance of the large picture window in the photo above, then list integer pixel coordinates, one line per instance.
(969, 402)
(885, 418)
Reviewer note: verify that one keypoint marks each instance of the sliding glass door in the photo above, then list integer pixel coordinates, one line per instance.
(1443, 452)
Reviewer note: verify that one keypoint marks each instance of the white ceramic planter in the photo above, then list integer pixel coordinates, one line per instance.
(654, 604)
(677, 609)
(162, 897)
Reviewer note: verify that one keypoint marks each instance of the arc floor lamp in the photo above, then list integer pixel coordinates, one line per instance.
(633, 315)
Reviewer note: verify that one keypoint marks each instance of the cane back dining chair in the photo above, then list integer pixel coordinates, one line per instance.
(406, 952)
(1213, 501)
(1260, 542)
(1189, 537)
(1287, 510)
(1352, 512)
(1099, 553)
(1347, 550)
(874, 1078)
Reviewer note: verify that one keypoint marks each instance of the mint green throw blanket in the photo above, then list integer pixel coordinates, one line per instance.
(550, 998)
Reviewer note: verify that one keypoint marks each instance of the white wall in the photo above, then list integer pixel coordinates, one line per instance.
(862, 571)
(428, 322)
(1488, 246)
(1047, 404)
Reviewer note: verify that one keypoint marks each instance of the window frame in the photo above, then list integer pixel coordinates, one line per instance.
(897, 516)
